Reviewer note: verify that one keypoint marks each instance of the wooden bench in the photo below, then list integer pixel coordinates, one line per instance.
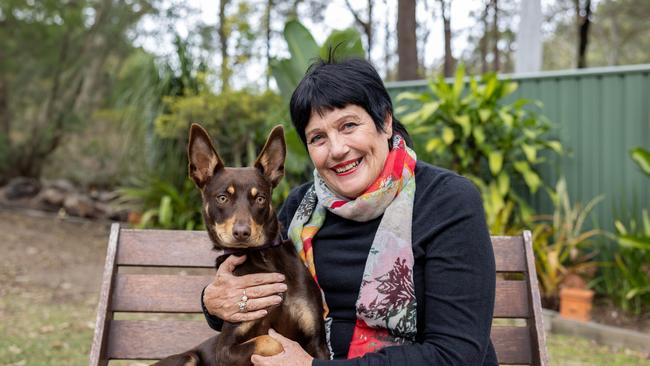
(137, 279)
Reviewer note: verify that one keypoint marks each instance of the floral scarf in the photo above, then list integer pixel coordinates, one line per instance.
(386, 307)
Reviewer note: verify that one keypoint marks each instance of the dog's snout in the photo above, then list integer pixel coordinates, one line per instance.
(241, 231)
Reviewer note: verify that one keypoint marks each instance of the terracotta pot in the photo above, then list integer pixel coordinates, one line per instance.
(575, 303)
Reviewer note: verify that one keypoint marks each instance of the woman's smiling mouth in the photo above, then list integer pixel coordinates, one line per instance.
(346, 167)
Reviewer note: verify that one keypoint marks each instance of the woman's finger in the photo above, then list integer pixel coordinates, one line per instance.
(262, 303)
(251, 315)
(265, 290)
(229, 265)
(257, 279)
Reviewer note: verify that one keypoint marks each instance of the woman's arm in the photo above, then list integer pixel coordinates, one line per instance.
(459, 282)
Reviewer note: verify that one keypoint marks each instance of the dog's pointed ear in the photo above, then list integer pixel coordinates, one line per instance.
(271, 159)
(204, 161)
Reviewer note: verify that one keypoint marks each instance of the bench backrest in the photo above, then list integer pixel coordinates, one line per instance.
(137, 279)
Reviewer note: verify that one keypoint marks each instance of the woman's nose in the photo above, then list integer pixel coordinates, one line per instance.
(338, 148)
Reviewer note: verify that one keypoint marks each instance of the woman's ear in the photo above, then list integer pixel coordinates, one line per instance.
(388, 124)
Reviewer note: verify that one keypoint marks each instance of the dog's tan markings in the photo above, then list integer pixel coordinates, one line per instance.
(266, 345)
(207, 208)
(231, 190)
(300, 311)
(244, 327)
(257, 234)
(253, 192)
(224, 230)
(192, 362)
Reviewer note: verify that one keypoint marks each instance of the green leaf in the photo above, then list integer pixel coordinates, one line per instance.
(407, 95)
(165, 211)
(464, 123)
(459, 81)
(530, 177)
(495, 160)
(433, 144)
(507, 118)
(302, 46)
(484, 114)
(555, 146)
(428, 109)
(641, 157)
(503, 183)
(530, 152)
(509, 88)
(479, 135)
(346, 42)
(631, 241)
(448, 135)
(620, 227)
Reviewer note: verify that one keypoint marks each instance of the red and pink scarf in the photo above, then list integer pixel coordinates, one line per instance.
(386, 307)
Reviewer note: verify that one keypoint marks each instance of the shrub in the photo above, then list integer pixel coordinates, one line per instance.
(477, 134)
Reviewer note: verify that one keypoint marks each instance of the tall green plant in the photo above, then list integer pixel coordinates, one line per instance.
(627, 279)
(560, 243)
(289, 71)
(474, 132)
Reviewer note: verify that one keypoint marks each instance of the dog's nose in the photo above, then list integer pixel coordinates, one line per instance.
(241, 231)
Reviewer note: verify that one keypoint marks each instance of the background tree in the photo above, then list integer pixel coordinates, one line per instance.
(407, 52)
(583, 18)
(365, 25)
(445, 14)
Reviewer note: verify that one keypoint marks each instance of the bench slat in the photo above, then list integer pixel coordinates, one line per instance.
(165, 248)
(159, 293)
(511, 300)
(509, 253)
(512, 345)
(149, 340)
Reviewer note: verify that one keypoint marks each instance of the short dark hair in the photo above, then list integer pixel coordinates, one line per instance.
(329, 85)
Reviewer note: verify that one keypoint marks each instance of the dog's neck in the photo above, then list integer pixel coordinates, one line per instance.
(241, 251)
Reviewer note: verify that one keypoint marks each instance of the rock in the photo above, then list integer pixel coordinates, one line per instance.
(51, 197)
(79, 205)
(22, 187)
(104, 196)
(63, 185)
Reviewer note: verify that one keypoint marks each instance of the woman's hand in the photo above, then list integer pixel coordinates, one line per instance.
(222, 297)
(293, 354)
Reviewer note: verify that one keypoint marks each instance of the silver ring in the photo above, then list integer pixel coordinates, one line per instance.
(243, 302)
(242, 306)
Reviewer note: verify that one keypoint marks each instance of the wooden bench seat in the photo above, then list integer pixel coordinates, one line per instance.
(149, 302)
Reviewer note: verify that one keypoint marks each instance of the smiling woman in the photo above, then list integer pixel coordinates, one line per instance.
(398, 247)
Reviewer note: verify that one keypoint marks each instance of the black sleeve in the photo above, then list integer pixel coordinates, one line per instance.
(214, 322)
(284, 215)
(459, 283)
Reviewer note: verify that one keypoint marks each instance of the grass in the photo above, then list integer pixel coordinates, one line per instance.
(36, 331)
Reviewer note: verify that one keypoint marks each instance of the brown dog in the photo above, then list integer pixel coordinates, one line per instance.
(239, 218)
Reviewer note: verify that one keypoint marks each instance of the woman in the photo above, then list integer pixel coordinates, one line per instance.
(399, 248)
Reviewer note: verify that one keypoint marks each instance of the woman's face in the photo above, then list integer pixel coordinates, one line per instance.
(346, 148)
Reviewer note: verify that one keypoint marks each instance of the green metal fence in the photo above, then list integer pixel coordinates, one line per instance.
(600, 114)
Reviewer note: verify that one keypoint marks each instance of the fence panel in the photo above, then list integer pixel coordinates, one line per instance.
(599, 114)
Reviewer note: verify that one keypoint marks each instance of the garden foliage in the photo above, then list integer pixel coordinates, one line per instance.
(475, 132)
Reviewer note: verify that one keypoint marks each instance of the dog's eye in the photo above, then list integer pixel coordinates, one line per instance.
(222, 198)
(260, 200)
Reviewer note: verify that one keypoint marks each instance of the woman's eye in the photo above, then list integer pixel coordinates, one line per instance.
(260, 200)
(315, 139)
(349, 125)
(222, 198)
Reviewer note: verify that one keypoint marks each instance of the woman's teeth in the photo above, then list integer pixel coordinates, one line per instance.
(347, 167)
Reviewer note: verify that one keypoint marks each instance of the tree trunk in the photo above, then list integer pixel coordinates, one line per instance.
(483, 43)
(223, 42)
(407, 68)
(495, 35)
(267, 26)
(445, 8)
(584, 22)
(387, 50)
(5, 114)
